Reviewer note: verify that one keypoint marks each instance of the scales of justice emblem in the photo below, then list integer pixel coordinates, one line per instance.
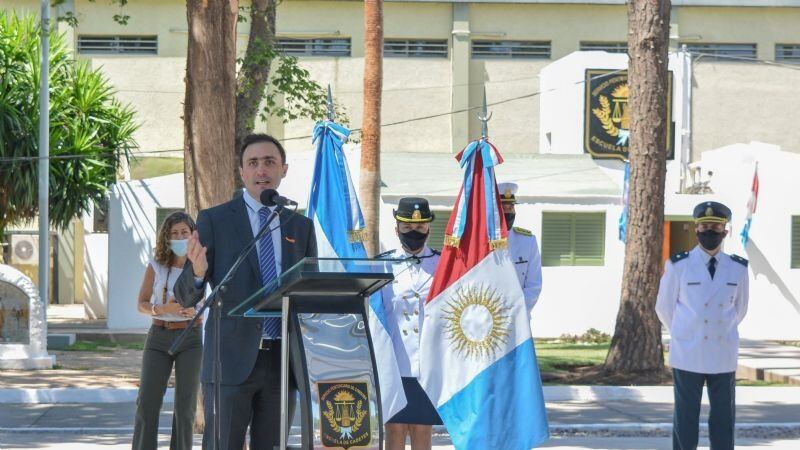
(345, 420)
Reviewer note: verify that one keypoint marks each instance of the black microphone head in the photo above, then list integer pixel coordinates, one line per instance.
(268, 197)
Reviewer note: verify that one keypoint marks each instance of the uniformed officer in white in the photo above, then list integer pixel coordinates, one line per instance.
(701, 300)
(523, 248)
(404, 300)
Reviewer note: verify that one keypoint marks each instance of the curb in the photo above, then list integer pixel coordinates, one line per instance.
(75, 395)
(623, 430)
(745, 395)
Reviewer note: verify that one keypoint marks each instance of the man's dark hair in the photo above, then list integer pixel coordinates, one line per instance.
(255, 138)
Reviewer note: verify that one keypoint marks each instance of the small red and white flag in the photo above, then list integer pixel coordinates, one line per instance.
(751, 207)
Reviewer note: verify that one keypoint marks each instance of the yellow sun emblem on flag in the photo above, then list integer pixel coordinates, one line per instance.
(477, 321)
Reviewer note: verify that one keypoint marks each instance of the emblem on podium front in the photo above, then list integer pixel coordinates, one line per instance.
(345, 418)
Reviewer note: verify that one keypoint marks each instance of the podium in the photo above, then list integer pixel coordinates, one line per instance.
(323, 304)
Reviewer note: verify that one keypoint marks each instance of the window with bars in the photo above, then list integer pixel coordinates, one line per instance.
(399, 48)
(510, 49)
(313, 47)
(723, 52)
(795, 242)
(118, 45)
(610, 47)
(573, 239)
(437, 228)
(787, 52)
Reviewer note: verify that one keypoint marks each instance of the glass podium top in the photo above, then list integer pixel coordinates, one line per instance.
(323, 277)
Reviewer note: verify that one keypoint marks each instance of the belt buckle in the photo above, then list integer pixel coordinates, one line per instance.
(267, 344)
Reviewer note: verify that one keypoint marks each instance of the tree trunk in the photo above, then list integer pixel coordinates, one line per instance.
(370, 179)
(209, 106)
(636, 345)
(254, 73)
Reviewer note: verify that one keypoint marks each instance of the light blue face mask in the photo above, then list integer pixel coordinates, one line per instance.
(178, 246)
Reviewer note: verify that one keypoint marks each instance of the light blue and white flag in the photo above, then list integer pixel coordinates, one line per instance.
(623, 218)
(339, 225)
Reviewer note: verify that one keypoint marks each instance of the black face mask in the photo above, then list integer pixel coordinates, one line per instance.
(413, 240)
(710, 239)
(510, 219)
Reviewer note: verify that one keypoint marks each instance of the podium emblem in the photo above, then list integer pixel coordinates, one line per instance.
(345, 420)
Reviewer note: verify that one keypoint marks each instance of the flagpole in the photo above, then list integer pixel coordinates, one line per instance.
(44, 162)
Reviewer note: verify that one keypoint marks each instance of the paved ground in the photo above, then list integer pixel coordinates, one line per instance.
(122, 441)
(766, 417)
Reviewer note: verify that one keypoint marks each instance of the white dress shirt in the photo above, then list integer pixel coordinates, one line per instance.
(253, 207)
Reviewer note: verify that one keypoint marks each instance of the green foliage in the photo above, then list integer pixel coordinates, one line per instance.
(591, 336)
(90, 131)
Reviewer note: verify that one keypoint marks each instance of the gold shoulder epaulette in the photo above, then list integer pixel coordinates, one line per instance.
(523, 231)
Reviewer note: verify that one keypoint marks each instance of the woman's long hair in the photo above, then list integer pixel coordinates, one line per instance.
(163, 254)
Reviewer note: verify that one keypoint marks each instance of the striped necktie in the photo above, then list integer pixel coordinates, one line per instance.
(271, 326)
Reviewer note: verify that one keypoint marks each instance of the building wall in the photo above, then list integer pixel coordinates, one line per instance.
(733, 101)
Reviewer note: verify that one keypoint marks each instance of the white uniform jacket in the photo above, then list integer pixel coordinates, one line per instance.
(527, 261)
(404, 301)
(702, 314)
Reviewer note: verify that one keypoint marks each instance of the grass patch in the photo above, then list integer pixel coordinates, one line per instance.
(150, 167)
(102, 346)
(761, 383)
(555, 356)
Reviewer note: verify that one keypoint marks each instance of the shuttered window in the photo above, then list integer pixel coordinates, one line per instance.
(787, 53)
(162, 213)
(510, 49)
(313, 47)
(723, 52)
(437, 227)
(796, 242)
(573, 239)
(404, 48)
(117, 45)
(610, 47)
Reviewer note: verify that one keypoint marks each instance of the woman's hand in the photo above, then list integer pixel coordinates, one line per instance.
(171, 307)
(187, 312)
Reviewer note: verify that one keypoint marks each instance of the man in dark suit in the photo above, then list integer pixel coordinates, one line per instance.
(250, 347)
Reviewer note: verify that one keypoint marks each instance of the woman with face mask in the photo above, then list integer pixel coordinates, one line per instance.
(156, 299)
(404, 300)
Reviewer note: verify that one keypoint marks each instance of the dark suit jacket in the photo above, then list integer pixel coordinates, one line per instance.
(225, 230)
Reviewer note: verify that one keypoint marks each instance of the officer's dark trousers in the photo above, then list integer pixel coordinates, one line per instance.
(156, 368)
(721, 396)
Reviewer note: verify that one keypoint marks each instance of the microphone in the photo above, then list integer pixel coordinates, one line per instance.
(270, 197)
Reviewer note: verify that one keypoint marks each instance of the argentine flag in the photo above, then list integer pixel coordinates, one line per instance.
(477, 357)
(334, 208)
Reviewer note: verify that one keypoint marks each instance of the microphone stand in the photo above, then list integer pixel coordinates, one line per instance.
(216, 299)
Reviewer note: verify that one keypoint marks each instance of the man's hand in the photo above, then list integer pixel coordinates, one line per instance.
(197, 255)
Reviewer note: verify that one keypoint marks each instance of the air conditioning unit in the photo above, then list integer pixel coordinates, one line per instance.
(24, 249)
